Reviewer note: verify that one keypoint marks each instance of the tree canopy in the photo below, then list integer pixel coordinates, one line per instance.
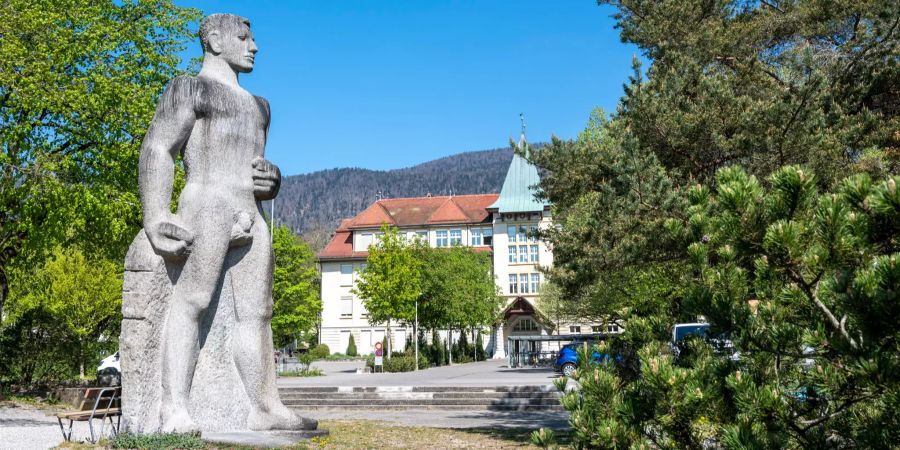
(765, 84)
(78, 87)
(64, 316)
(295, 287)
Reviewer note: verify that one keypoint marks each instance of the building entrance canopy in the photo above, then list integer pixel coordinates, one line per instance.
(525, 351)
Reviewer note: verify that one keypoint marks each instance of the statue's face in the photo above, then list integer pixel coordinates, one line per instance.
(236, 47)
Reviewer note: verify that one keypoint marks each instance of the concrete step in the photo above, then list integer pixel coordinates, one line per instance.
(298, 389)
(423, 402)
(435, 407)
(418, 395)
(490, 398)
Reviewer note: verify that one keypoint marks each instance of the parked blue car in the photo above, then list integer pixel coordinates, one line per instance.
(567, 359)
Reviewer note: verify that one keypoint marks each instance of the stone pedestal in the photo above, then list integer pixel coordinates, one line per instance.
(218, 399)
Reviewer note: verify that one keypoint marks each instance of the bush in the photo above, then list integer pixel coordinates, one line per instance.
(351, 347)
(305, 359)
(398, 363)
(320, 351)
(306, 372)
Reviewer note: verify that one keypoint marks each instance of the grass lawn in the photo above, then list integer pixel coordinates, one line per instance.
(367, 434)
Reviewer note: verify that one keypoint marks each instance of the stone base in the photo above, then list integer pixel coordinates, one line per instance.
(261, 439)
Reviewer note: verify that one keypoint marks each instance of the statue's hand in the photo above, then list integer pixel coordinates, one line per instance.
(266, 179)
(168, 239)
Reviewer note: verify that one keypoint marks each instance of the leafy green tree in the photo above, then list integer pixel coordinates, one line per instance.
(78, 84)
(458, 289)
(295, 288)
(392, 280)
(765, 84)
(74, 303)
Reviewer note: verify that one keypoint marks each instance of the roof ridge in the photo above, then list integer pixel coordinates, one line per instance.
(439, 196)
(387, 212)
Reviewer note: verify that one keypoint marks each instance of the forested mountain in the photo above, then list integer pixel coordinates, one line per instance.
(313, 204)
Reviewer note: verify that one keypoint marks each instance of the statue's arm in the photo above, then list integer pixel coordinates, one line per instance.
(166, 136)
(266, 176)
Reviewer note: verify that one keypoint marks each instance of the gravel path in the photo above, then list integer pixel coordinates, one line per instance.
(28, 428)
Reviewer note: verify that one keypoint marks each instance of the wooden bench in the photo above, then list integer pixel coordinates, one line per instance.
(97, 403)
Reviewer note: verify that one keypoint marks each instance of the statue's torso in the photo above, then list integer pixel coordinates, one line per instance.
(230, 130)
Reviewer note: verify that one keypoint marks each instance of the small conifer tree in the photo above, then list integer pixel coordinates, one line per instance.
(351, 347)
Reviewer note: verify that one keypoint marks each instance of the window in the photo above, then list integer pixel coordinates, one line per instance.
(574, 329)
(363, 312)
(612, 328)
(513, 284)
(523, 282)
(346, 274)
(511, 232)
(532, 233)
(488, 236)
(346, 307)
(455, 237)
(523, 253)
(365, 240)
(535, 283)
(534, 253)
(441, 236)
(525, 324)
(475, 238)
(512, 253)
(520, 236)
(595, 328)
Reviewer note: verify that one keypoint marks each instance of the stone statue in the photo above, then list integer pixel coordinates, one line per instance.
(198, 283)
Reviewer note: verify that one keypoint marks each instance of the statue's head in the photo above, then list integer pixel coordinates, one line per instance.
(228, 37)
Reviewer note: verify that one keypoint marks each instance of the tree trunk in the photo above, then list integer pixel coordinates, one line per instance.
(449, 346)
(4, 291)
(474, 346)
(80, 361)
(387, 340)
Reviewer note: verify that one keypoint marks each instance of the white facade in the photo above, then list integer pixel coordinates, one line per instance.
(344, 313)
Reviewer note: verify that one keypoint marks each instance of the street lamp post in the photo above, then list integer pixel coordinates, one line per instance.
(416, 333)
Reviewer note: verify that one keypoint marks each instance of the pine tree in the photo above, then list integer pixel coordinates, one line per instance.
(804, 285)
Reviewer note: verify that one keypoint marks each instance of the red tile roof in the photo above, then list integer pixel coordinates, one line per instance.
(406, 213)
(341, 245)
(416, 211)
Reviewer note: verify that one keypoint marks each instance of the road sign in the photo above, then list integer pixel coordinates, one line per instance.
(379, 360)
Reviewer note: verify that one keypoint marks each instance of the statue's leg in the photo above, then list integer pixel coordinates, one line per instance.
(253, 349)
(191, 297)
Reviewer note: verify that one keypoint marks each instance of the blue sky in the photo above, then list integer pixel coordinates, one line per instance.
(390, 84)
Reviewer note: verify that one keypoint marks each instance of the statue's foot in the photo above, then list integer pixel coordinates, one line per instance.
(279, 419)
(179, 421)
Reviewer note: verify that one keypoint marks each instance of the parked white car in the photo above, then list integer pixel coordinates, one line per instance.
(109, 373)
